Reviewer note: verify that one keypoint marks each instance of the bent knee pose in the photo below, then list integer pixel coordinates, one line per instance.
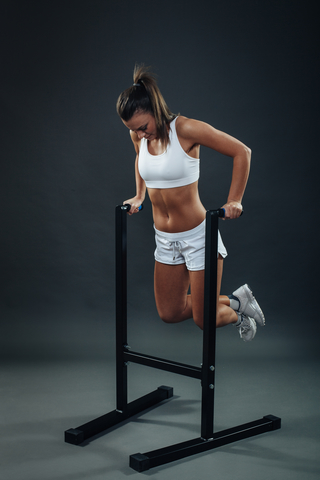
(167, 164)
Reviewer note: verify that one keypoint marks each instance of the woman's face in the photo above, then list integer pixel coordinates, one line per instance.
(143, 124)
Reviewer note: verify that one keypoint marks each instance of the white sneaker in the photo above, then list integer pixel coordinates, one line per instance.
(249, 305)
(247, 328)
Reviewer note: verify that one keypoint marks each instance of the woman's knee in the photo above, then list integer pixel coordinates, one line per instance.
(174, 313)
(168, 315)
(198, 320)
(167, 318)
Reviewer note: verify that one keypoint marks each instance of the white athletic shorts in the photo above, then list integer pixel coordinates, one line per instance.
(184, 247)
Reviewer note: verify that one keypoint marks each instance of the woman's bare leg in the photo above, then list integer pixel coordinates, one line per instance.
(171, 284)
(225, 314)
(225, 300)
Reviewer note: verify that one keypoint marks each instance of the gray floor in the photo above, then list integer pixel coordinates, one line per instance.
(43, 395)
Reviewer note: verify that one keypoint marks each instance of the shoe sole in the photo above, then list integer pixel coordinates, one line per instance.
(253, 332)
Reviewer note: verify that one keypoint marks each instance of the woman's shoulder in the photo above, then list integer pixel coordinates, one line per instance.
(189, 129)
(185, 126)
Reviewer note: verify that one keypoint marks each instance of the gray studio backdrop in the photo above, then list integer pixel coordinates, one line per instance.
(248, 68)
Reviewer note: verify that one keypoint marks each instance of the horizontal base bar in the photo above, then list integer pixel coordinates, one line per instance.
(78, 435)
(141, 462)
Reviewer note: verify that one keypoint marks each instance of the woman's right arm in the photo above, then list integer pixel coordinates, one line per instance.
(138, 199)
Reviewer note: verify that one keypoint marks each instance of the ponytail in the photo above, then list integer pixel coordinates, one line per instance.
(144, 96)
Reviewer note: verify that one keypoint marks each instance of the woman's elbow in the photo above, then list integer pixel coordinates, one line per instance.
(248, 152)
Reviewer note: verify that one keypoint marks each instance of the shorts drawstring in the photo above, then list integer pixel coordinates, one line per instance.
(175, 245)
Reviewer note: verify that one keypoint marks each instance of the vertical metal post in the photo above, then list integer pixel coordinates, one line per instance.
(121, 307)
(209, 325)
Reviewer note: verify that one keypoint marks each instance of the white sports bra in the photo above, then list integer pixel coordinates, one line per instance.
(173, 168)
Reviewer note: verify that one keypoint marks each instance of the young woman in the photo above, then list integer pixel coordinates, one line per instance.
(167, 165)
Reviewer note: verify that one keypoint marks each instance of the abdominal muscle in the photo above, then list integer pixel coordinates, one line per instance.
(176, 209)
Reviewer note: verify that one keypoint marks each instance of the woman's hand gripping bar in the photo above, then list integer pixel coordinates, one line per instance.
(127, 207)
(222, 212)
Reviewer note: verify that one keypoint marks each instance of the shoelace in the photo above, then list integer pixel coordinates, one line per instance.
(244, 327)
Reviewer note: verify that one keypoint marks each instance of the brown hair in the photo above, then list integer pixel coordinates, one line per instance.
(144, 96)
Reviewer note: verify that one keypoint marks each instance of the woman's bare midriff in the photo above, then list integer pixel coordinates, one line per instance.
(176, 209)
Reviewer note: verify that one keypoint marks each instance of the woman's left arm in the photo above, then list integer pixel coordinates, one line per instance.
(200, 133)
